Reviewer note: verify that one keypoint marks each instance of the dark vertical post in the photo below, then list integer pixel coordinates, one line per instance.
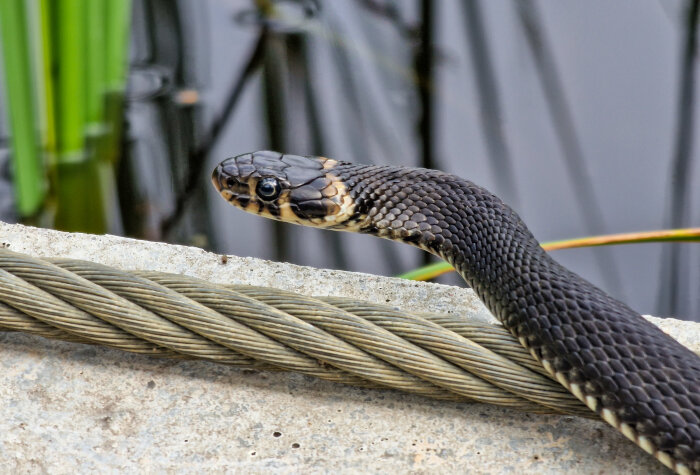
(424, 63)
(671, 273)
(274, 84)
(489, 101)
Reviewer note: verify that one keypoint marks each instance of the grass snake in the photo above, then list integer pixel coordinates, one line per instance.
(624, 368)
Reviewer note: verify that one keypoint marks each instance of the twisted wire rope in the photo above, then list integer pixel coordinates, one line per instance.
(335, 339)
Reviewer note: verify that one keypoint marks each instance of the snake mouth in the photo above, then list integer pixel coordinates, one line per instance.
(215, 178)
(230, 186)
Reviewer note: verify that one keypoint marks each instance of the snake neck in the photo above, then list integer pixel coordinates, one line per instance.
(621, 366)
(472, 229)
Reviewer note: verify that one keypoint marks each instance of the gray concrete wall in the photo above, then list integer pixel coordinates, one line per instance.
(69, 407)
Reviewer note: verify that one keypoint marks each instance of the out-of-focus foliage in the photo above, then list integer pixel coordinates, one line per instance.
(65, 71)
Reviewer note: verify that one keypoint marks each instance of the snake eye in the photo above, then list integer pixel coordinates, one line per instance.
(268, 189)
(230, 182)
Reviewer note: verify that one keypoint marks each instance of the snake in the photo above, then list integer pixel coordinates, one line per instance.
(634, 376)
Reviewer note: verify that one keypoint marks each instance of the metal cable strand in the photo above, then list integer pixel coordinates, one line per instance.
(335, 339)
(202, 320)
(466, 354)
(494, 337)
(389, 347)
(14, 320)
(300, 335)
(67, 320)
(103, 308)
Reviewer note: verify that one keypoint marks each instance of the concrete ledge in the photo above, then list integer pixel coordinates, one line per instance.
(69, 407)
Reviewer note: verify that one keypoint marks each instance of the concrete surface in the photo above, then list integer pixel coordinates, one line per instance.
(70, 408)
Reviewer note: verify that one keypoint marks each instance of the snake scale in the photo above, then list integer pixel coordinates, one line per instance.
(624, 368)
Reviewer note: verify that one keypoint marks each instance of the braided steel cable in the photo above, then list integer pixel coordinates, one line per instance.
(336, 339)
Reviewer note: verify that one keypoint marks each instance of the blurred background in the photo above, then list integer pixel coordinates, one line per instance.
(581, 115)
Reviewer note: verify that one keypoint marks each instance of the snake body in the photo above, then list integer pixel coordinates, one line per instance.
(624, 368)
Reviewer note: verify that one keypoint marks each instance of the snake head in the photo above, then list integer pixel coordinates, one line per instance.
(290, 188)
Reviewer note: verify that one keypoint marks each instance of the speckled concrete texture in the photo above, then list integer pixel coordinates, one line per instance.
(70, 408)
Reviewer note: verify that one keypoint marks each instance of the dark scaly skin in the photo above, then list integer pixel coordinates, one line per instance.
(624, 368)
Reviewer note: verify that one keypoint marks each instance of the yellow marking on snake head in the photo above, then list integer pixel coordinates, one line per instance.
(328, 163)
